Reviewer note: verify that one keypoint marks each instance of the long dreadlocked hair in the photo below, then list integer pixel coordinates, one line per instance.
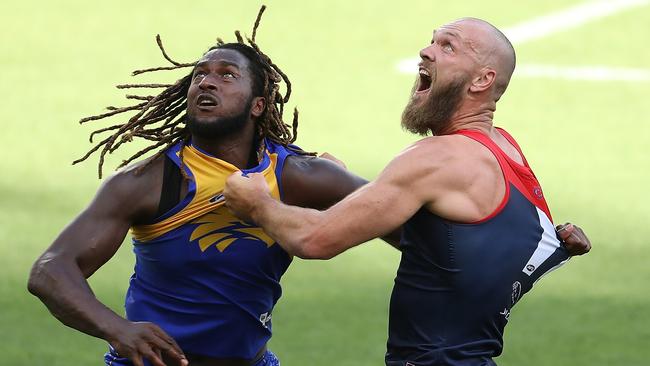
(161, 118)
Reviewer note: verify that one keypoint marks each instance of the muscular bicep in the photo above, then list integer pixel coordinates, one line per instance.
(320, 183)
(94, 236)
(412, 180)
(316, 183)
(374, 210)
(90, 240)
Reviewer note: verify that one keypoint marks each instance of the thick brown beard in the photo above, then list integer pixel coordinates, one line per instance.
(433, 115)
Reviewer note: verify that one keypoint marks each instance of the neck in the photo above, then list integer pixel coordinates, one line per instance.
(472, 115)
(235, 148)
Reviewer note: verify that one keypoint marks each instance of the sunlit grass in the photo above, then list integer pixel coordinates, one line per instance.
(586, 140)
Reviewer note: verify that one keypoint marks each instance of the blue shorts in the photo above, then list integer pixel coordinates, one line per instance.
(111, 359)
(269, 359)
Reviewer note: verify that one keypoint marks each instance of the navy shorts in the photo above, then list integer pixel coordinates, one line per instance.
(112, 359)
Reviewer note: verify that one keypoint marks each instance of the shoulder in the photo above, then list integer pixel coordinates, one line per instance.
(134, 190)
(310, 181)
(312, 169)
(429, 155)
(438, 165)
(444, 152)
(137, 176)
(298, 165)
(441, 147)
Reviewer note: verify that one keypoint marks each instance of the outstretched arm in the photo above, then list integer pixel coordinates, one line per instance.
(59, 276)
(371, 211)
(320, 183)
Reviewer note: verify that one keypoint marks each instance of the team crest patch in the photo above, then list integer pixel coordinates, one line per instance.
(222, 229)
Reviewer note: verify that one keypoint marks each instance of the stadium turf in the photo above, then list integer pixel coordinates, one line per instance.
(587, 141)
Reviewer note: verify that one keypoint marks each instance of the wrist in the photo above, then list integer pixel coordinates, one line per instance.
(110, 329)
(260, 206)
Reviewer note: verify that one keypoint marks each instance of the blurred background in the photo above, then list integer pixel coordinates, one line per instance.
(577, 105)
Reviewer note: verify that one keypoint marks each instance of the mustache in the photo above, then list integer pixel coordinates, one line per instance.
(433, 114)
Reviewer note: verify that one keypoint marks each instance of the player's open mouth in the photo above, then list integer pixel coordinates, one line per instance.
(424, 84)
(205, 101)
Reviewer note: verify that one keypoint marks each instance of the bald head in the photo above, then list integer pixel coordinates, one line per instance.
(492, 50)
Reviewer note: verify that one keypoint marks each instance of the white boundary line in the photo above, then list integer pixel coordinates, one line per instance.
(572, 17)
(546, 25)
(590, 73)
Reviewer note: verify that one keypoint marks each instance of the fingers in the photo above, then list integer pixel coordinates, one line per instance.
(153, 351)
(143, 340)
(574, 238)
(168, 345)
(582, 237)
(152, 356)
(570, 233)
(258, 178)
(171, 352)
(238, 179)
(244, 185)
(149, 348)
(565, 231)
(137, 361)
(242, 195)
(168, 341)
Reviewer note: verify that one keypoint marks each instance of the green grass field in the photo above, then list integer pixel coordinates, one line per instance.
(586, 140)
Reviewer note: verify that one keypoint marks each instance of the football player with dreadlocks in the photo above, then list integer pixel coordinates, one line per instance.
(205, 283)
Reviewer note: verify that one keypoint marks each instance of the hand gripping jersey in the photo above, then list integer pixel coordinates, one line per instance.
(205, 277)
(457, 283)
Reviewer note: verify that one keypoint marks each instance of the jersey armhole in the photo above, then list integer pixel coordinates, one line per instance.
(478, 137)
(514, 143)
(169, 193)
(171, 187)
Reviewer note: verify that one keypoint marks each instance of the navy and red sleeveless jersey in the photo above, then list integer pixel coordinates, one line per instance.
(457, 283)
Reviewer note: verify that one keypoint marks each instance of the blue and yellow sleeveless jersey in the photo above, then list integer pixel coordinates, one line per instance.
(207, 278)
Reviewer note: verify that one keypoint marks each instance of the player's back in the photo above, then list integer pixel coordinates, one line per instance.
(456, 282)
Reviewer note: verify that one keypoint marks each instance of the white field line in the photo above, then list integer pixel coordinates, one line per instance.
(567, 19)
(548, 24)
(591, 73)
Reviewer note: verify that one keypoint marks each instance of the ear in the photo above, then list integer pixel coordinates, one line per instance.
(259, 104)
(484, 81)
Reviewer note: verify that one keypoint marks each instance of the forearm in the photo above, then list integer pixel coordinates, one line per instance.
(294, 228)
(67, 295)
(370, 212)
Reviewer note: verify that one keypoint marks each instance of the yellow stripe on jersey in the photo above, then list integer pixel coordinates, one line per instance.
(209, 175)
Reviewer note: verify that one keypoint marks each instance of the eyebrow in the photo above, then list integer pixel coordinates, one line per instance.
(220, 62)
(448, 33)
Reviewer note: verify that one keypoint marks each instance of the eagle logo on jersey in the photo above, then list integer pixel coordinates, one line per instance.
(221, 229)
